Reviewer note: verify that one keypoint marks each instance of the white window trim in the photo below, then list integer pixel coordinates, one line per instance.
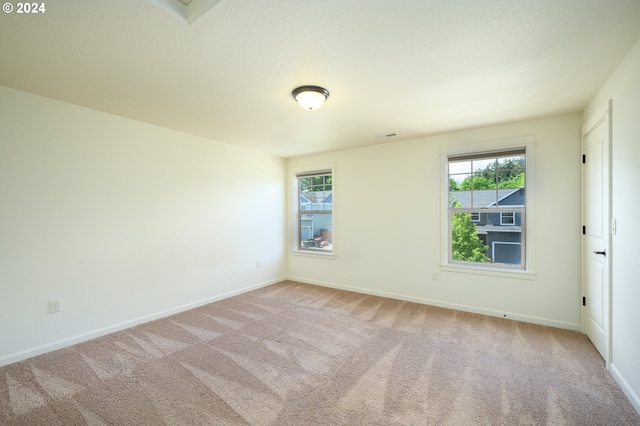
(527, 142)
(513, 217)
(292, 227)
(475, 220)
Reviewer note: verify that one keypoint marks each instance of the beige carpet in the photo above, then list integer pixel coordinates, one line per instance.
(295, 354)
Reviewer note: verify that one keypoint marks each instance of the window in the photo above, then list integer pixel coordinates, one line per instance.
(486, 208)
(507, 218)
(315, 211)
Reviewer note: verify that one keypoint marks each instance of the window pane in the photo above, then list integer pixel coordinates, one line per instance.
(456, 179)
(456, 167)
(511, 172)
(491, 184)
(487, 237)
(484, 164)
(316, 231)
(459, 199)
(305, 184)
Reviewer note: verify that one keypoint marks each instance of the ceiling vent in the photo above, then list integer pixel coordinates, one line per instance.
(387, 135)
(189, 10)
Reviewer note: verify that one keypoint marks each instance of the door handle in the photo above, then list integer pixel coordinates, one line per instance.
(603, 252)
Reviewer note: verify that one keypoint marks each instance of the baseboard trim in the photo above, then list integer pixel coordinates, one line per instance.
(60, 344)
(459, 307)
(626, 388)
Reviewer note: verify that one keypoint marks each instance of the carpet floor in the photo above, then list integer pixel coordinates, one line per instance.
(297, 354)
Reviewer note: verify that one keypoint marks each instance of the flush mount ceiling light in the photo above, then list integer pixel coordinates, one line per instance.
(310, 97)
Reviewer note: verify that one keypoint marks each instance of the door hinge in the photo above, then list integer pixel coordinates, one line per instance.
(584, 230)
(584, 158)
(584, 301)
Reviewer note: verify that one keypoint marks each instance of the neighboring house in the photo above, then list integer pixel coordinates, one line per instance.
(502, 232)
(321, 200)
(305, 203)
(312, 226)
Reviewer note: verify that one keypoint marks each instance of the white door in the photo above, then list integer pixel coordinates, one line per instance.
(597, 255)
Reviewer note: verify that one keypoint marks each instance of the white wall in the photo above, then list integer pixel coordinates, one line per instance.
(123, 221)
(624, 89)
(388, 220)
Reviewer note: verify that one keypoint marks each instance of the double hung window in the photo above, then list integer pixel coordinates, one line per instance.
(315, 211)
(487, 208)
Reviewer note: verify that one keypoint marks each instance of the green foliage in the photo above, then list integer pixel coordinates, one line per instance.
(477, 182)
(453, 185)
(504, 169)
(506, 173)
(465, 243)
(515, 182)
(316, 183)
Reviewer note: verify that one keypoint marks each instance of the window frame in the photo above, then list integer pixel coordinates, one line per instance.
(505, 243)
(513, 217)
(489, 148)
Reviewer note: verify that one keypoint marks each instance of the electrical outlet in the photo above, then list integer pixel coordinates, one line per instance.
(436, 276)
(54, 306)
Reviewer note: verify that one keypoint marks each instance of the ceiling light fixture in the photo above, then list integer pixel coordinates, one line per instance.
(310, 97)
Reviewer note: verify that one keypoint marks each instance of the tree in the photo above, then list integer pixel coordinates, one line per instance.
(504, 170)
(316, 183)
(476, 182)
(515, 182)
(465, 243)
(453, 185)
(505, 173)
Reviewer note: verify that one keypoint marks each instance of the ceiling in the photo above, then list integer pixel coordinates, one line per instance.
(410, 67)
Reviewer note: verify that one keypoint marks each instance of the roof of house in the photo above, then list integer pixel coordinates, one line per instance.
(482, 197)
(317, 197)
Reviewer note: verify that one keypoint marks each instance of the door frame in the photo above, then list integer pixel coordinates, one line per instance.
(603, 115)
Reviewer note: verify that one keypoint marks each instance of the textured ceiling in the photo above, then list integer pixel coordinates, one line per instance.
(411, 67)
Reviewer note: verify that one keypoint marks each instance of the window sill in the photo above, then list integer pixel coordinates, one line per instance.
(496, 272)
(318, 254)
